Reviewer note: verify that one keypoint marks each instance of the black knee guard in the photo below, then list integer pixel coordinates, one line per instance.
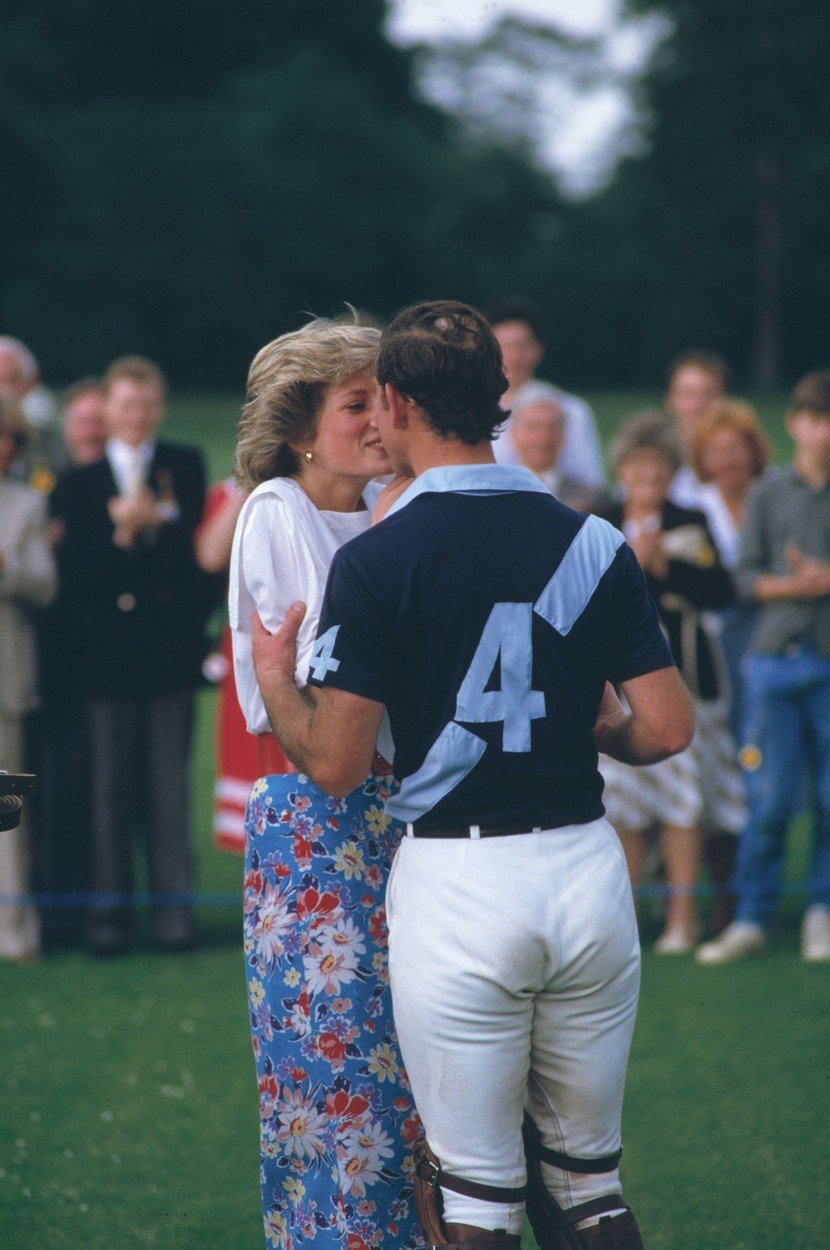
(554, 1227)
(428, 1179)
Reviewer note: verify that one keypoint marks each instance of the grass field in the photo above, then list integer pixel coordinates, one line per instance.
(128, 1114)
(127, 1102)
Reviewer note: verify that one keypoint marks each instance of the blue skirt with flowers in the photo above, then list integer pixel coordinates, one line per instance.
(336, 1114)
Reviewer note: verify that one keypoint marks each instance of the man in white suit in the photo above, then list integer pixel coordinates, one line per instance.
(28, 580)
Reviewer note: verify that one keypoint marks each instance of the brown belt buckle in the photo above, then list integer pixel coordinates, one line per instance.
(428, 1170)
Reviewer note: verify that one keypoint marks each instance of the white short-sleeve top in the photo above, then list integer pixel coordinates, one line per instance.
(282, 549)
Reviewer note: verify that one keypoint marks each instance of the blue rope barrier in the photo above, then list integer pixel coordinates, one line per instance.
(228, 898)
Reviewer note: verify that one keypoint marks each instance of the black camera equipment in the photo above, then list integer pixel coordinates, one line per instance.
(13, 788)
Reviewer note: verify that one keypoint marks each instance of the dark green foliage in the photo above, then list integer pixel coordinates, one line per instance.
(724, 235)
(189, 180)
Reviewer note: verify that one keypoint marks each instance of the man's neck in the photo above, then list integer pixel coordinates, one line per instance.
(441, 453)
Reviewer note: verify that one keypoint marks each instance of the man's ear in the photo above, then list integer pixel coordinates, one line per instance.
(399, 406)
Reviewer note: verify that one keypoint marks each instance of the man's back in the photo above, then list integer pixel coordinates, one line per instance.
(490, 617)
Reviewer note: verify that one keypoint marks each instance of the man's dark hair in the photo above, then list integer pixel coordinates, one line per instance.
(812, 393)
(444, 356)
(701, 358)
(515, 310)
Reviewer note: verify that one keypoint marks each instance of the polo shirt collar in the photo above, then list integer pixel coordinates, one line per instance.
(470, 479)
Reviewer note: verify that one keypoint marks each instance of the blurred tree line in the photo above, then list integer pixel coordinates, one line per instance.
(718, 235)
(186, 180)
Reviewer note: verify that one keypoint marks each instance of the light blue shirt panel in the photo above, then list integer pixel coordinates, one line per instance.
(452, 756)
(580, 571)
(484, 479)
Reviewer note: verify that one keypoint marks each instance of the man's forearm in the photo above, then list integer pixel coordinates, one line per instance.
(626, 739)
(770, 587)
(291, 715)
(329, 734)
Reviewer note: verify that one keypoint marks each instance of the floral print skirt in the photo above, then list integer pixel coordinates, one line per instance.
(336, 1114)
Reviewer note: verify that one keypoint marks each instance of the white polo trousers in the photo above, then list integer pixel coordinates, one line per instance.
(515, 969)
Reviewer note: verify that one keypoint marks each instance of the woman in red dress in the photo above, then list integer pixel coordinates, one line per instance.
(238, 762)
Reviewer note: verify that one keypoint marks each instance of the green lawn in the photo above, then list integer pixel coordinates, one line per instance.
(128, 1110)
(128, 1115)
(127, 1100)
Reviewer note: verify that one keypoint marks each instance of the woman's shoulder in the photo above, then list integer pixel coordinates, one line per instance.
(278, 497)
(284, 488)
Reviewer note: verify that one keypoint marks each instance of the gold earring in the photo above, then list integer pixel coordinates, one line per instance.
(308, 456)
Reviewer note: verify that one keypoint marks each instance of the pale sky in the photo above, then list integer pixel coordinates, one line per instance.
(416, 19)
(581, 133)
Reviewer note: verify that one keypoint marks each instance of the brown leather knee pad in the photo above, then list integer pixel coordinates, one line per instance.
(554, 1227)
(429, 1205)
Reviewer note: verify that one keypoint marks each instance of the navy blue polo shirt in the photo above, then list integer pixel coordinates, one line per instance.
(487, 617)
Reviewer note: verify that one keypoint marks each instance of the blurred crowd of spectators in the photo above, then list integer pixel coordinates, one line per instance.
(103, 610)
(113, 557)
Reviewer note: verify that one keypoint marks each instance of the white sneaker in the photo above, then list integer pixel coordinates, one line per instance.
(815, 934)
(739, 940)
(678, 939)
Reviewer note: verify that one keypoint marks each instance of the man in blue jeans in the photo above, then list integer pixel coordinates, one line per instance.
(785, 566)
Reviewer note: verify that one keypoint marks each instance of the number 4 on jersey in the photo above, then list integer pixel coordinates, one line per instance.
(321, 661)
(506, 638)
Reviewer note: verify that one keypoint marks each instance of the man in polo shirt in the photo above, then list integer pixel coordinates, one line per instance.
(487, 618)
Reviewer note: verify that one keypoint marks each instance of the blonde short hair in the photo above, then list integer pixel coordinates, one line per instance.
(737, 415)
(136, 369)
(287, 384)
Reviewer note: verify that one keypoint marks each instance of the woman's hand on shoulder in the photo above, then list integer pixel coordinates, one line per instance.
(392, 491)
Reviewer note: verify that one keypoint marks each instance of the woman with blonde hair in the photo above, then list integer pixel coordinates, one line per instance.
(337, 1120)
(729, 451)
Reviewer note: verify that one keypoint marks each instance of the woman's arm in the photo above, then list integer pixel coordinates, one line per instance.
(214, 537)
(330, 734)
(389, 495)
